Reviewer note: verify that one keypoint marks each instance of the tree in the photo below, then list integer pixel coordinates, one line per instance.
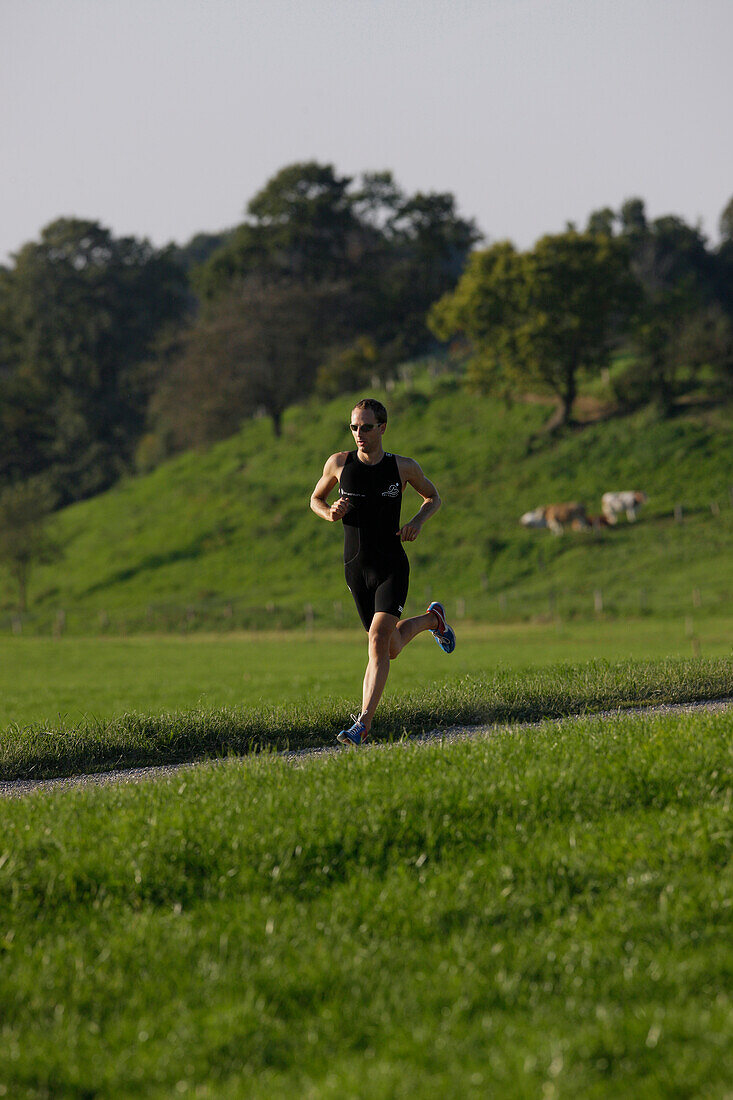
(299, 226)
(602, 222)
(426, 249)
(24, 540)
(254, 349)
(539, 318)
(705, 343)
(78, 313)
(395, 253)
(679, 281)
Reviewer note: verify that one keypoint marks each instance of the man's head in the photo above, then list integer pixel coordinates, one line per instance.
(368, 424)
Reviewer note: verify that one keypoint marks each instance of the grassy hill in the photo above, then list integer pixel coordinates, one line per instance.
(225, 538)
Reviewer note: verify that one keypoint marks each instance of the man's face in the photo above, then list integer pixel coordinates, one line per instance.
(365, 430)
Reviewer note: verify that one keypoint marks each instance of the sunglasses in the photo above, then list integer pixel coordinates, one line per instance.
(362, 427)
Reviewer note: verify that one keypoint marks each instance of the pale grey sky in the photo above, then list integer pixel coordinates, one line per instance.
(162, 118)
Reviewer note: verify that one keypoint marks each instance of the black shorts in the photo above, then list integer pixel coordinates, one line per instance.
(378, 586)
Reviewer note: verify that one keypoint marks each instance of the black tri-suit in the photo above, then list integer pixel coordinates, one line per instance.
(376, 565)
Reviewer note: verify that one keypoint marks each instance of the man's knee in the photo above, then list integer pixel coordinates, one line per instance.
(379, 643)
(380, 635)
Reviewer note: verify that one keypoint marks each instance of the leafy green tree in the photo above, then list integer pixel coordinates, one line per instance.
(427, 246)
(395, 253)
(539, 318)
(78, 312)
(705, 344)
(633, 217)
(254, 349)
(26, 431)
(602, 222)
(299, 226)
(679, 280)
(24, 538)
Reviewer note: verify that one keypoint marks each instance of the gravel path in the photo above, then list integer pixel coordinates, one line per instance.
(18, 787)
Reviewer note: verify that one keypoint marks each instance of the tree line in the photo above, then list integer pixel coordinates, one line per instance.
(115, 354)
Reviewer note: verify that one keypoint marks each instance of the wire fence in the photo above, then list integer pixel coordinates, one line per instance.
(537, 600)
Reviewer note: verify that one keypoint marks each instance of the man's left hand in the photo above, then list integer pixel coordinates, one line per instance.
(410, 531)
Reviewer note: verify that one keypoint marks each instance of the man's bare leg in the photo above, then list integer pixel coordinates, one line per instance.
(377, 670)
(388, 636)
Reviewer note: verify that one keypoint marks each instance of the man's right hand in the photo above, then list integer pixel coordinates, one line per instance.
(338, 510)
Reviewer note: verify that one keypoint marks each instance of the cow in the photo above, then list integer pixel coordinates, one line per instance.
(628, 501)
(557, 517)
(597, 522)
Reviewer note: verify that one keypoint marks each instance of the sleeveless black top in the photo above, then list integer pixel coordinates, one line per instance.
(372, 523)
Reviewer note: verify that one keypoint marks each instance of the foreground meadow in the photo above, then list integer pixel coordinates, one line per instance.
(543, 912)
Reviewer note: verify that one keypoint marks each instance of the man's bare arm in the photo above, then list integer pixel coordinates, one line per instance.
(319, 497)
(414, 476)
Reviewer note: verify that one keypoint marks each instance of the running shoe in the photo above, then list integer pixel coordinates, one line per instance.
(445, 635)
(355, 735)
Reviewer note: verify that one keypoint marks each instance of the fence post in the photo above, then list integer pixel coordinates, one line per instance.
(309, 616)
(715, 508)
(17, 624)
(60, 623)
(460, 607)
(696, 597)
(678, 513)
(598, 600)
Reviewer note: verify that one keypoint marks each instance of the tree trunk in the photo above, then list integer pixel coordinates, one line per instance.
(664, 391)
(567, 398)
(21, 576)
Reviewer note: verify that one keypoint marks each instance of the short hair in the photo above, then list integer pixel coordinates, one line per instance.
(376, 406)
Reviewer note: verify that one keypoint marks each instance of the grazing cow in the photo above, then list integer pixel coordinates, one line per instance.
(557, 517)
(629, 501)
(596, 522)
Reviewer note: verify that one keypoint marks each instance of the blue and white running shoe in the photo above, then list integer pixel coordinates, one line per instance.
(445, 635)
(355, 735)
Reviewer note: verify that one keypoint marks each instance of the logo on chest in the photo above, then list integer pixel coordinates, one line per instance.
(394, 490)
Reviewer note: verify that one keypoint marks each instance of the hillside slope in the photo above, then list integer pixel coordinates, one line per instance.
(225, 537)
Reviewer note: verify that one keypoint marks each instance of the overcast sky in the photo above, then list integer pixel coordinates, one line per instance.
(162, 118)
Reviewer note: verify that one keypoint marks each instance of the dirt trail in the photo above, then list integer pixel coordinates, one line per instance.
(18, 787)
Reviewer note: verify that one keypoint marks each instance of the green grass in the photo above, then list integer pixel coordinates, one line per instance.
(223, 538)
(542, 913)
(67, 679)
(93, 743)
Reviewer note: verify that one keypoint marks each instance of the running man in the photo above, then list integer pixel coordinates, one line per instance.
(371, 483)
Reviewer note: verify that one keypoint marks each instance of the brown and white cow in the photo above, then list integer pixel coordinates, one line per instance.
(557, 517)
(628, 501)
